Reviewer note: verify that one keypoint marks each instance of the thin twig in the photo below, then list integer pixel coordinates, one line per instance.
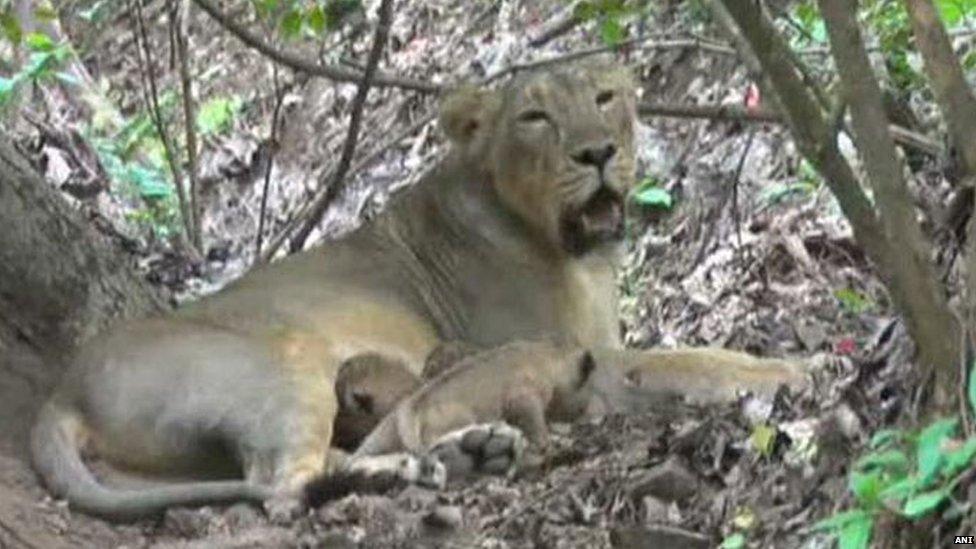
(272, 149)
(335, 183)
(735, 187)
(645, 43)
(298, 63)
(180, 34)
(151, 97)
(364, 163)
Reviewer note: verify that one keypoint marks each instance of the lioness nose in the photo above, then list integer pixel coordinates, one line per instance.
(596, 155)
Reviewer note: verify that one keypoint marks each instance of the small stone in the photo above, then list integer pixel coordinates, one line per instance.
(447, 517)
(187, 523)
(414, 498)
(656, 537)
(669, 481)
(242, 515)
(655, 510)
(335, 540)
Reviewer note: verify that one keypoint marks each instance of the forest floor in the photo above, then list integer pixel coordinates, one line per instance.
(753, 256)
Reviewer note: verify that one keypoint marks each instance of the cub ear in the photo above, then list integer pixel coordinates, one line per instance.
(466, 113)
(586, 366)
(364, 401)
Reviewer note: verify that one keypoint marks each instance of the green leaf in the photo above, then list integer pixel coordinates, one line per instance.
(217, 115)
(885, 437)
(839, 520)
(37, 41)
(655, 197)
(7, 88)
(611, 32)
(959, 459)
(853, 301)
(585, 11)
(866, 487)
(291, 24)
(776, 193)
(891, 460)
(45, 13)
(11, 27)
(856, 534)
(763, 436)
(735, 541)
(971, 390)
(899, 489)
(920, 505)
(316, 19)
(265, 7)
(929, 448)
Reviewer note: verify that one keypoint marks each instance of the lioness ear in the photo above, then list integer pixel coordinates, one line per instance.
(586, 367)
(466, 112)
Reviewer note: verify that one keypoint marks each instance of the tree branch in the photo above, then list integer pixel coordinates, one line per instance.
(151, 97)
(814, 137)
(181, 36)
(912, 282)
(948, 83)
(335, 184)
(298, 63)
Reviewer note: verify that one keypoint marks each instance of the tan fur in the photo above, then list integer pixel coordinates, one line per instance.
(445, 356)
(368, 386)
(513, 237)
(523, 383)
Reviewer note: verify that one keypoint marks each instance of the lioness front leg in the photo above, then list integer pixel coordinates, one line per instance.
(648, 380)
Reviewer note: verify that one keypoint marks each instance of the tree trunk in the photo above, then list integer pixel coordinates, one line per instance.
(60, 281)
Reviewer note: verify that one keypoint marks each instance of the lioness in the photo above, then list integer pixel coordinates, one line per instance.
(515, 235)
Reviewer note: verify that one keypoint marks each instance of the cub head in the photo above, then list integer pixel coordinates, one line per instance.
(368, 386)
(557, 146)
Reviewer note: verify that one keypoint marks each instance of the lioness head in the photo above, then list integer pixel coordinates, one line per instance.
(557, 146)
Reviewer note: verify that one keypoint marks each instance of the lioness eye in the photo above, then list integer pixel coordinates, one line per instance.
(604, 97)
(533, 116)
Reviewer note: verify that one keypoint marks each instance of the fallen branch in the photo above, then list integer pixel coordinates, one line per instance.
(734, 113)
(335, 183)
(298, 63)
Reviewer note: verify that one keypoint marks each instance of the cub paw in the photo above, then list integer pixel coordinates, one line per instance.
(483, 449)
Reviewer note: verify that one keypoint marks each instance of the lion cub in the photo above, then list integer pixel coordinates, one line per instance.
(367, 387)
(523, 383)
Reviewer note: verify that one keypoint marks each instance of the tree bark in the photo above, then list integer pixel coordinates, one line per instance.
(60, 281)
(914, 285)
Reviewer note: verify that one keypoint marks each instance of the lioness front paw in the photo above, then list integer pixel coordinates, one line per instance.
(483, 449)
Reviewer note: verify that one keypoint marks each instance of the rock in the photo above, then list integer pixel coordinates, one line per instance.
(655, 510)
(242, 515)
(336, 540)
(445, 517)
(669, 481)
(414, 498)
(657, 537)
(187, 523)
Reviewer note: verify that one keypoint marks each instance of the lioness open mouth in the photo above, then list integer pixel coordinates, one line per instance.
(599, 219)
